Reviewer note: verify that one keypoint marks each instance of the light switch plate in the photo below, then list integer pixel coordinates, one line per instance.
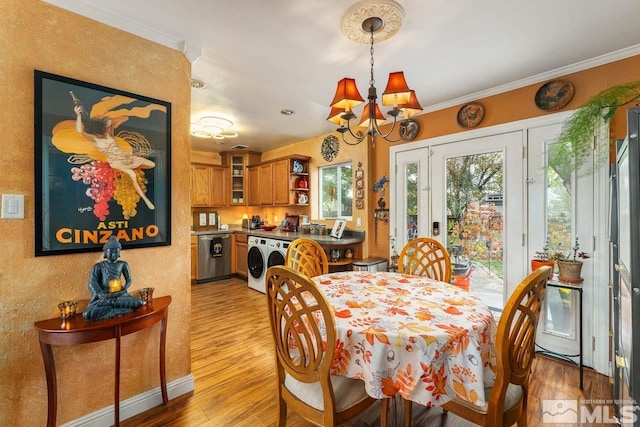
(12, 206)
(359, 222)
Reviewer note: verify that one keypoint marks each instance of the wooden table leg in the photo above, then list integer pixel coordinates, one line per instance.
(116, 403)
(52, 387)
(163, 373)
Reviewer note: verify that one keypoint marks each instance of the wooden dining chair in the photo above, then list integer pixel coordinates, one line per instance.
(307, 257)
(515, 345)
(304, 382)
(424, 256)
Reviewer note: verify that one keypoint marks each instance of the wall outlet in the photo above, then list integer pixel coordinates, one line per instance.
(359, 222)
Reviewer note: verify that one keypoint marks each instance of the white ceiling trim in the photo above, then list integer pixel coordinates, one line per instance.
(191, 49)
(538, 78)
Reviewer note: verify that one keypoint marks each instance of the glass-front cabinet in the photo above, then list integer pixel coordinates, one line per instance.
(237, 162)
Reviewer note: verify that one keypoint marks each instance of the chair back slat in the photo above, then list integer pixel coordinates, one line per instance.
(297, 311)
(425, 257)
(515, 340)
(307, 257)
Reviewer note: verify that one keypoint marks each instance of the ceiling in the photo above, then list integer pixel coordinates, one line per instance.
(259, 57)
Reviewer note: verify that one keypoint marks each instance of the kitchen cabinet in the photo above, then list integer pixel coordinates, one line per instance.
(241, 251)
(237, 163)
(208, 185)
(253, 182)
(265, 180)
(280, 182)
(194, 258)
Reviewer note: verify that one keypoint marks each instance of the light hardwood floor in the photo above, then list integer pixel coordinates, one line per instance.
(235, 376)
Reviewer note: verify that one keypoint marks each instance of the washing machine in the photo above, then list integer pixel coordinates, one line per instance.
(277, 252)
(257, 262)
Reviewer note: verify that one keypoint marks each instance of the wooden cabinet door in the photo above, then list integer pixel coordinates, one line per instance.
(253, 184)
(241, 255)
(218, 185)
(281, 182)
(194, 258)
(200, 185)
(265, 178)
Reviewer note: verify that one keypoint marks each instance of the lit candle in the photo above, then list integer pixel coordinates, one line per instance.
(115, 285)
(68, 309)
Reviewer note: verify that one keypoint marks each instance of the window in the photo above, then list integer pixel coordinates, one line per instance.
(336, 191)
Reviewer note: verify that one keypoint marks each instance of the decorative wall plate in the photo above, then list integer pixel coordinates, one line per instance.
(470, 115)
(409, 129)
(330, 147)
(554, 95)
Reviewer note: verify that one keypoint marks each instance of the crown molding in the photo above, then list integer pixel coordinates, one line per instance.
(538, 78)
(191, 49)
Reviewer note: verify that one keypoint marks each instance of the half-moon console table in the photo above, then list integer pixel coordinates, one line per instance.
(79, 331)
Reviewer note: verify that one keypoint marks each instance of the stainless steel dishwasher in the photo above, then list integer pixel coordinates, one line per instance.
(214, 257)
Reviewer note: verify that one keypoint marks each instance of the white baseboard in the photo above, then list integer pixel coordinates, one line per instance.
(135, 405)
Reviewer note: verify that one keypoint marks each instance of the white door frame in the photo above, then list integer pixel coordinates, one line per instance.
(596, 351)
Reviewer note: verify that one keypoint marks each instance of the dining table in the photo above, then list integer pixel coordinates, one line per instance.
(412, 336)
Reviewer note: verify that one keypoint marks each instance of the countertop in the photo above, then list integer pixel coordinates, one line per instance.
(349, 237)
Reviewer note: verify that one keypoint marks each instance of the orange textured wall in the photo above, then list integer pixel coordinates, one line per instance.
(508, 107)
(36, 35)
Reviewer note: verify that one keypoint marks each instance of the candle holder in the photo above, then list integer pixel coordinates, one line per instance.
(68, 309)
(146, 295)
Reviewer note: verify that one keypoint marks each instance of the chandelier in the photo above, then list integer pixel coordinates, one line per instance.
(397, 93)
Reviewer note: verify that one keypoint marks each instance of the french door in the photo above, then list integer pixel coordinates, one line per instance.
(468, 195)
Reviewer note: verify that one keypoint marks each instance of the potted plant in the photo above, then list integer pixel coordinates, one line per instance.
(569, 267)
(542, 259)
(576, 138)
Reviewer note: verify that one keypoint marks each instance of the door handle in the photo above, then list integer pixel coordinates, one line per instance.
(435, 230)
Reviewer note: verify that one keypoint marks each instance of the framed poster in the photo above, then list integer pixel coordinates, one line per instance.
(338, 228)
(102, 167)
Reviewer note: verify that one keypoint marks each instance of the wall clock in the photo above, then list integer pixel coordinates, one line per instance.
(330, 147)
(470, 115)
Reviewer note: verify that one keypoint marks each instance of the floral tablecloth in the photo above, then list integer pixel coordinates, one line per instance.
(424, 339)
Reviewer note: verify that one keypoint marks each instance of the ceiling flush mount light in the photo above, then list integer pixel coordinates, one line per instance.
(197, 84)
(287, 112)
(213, 127)
(372, 21)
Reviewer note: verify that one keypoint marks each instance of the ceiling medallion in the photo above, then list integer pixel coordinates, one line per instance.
(389, 11)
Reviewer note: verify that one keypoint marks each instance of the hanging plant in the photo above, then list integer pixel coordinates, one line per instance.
(577, 137)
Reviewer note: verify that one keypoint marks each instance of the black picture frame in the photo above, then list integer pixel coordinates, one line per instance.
(84, 190)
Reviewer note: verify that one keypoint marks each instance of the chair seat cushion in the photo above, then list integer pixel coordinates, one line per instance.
(512, 398)
(347, 392)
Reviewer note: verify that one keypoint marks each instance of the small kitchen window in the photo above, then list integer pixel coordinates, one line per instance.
(336, 191)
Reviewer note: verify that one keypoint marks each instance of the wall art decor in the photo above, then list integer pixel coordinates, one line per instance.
(409, 129)
(359, 187)
(330, 148)
(102, 167)
(470, 115)
(554, 95)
